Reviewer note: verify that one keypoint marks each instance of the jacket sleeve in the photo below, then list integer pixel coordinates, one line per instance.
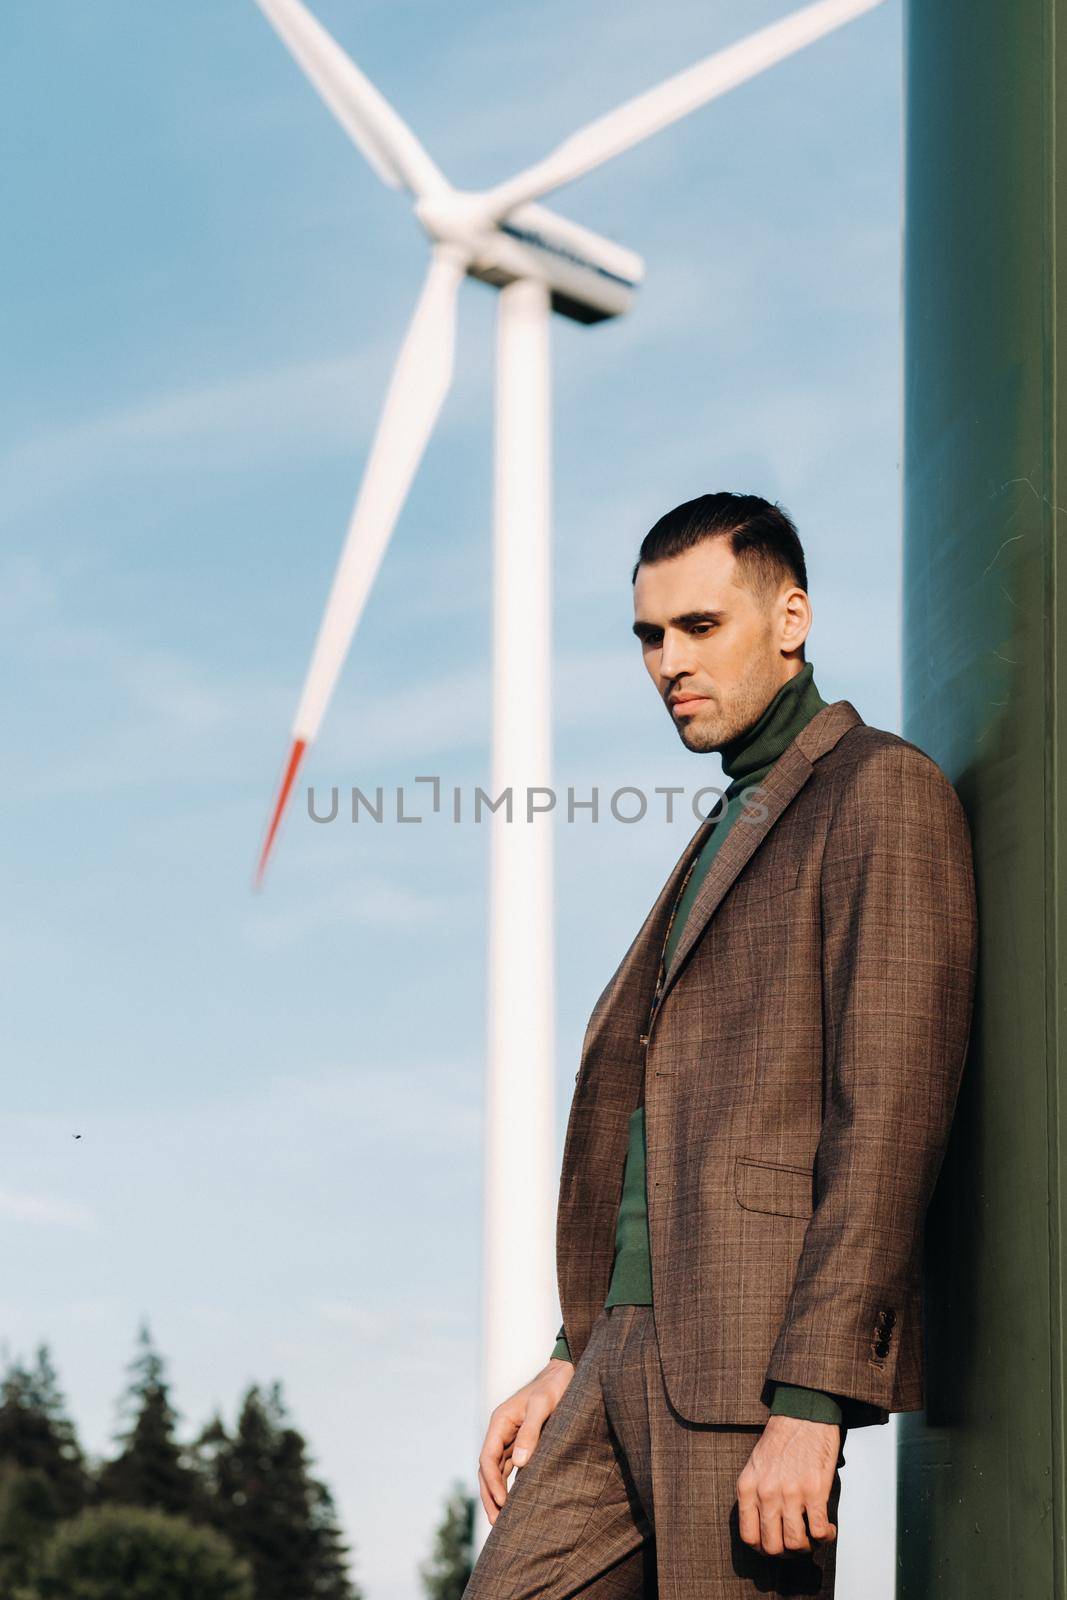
(899, 956)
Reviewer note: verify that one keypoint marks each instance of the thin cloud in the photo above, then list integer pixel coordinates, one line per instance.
(42, 1210)
(312, 409)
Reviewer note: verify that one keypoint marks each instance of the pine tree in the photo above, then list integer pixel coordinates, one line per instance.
(207, 1454)
(445, 1575)
(271, 1507)
(152, 1469)
(37, 1435)
(42, 1471)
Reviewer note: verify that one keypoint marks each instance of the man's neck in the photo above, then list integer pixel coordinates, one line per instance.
(749, 756)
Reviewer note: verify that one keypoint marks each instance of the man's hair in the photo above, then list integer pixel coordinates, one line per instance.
(763, 539)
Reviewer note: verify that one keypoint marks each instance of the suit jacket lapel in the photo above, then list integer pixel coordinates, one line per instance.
(784, 781)
(637, 971)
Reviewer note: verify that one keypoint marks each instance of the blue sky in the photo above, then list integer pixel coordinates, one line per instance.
(204, 289)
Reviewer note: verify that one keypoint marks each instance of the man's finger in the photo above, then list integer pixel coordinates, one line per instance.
(819, 1525)
(770, 1528)
(747, 1513)
(794, 1533)
(528, 1435)
(494, 1481)
(489, 1463)
(499, 1436)
(489, 1505)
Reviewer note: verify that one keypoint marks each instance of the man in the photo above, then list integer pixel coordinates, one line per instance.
(765, 1092)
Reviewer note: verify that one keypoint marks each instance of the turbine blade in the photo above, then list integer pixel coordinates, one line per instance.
(657, 108)
(383, 136)
(421, 379)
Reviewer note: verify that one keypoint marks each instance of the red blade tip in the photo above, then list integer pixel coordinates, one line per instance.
(296, 755)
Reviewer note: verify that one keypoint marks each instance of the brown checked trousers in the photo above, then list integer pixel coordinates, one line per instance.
(624, 1499)
(799, 1064)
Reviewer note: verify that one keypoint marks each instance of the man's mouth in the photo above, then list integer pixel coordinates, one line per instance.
(686, 702)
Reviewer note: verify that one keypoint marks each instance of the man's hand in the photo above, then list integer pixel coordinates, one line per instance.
(790, 1472)
(514, 1429)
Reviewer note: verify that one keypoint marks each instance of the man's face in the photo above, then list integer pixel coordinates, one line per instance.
(716, 656)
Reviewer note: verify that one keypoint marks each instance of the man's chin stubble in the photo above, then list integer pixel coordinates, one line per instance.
(701, 740)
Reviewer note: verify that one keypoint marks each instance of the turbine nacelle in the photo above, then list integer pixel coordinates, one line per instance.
(589, 277)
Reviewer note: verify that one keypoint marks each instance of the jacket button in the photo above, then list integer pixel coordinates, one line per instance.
(644, 1038)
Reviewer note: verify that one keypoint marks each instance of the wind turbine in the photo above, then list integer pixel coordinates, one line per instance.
(541, 262)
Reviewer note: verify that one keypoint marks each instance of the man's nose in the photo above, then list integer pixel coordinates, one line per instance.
(676, 656)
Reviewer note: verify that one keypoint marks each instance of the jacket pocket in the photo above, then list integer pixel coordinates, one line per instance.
(773, 1187)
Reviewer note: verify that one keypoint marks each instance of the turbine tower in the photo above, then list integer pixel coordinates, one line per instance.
(541, 263)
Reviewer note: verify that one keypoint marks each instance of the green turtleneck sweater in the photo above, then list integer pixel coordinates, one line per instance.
(746, 760)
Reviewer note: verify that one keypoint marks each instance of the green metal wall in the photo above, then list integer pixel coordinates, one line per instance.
(981, 1496)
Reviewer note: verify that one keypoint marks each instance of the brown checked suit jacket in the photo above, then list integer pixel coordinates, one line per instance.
(800, 1066)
